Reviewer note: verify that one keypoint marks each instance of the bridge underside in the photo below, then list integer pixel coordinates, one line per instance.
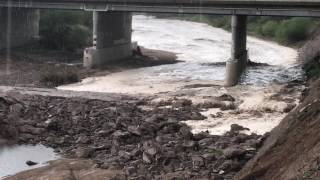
(112, 23)
(308, 8)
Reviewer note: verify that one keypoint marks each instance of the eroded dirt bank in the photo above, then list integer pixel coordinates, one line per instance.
(293, 149)
(118, 134)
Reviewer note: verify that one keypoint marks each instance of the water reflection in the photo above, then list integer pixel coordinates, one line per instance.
(13, 158)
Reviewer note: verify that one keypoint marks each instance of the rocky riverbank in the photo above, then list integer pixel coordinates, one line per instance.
(119, 134)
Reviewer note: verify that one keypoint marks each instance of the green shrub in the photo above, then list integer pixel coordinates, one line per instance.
(269, 28)
(293, 30)
(65, 30)
(58, 76)
(312, 68)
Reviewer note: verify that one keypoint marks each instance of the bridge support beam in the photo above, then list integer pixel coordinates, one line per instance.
(18, 26)
(239, 55)
(111, 38)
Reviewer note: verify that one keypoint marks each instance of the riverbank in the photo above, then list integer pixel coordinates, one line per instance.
(122, 134)
(277, 159)
(32, 67)
(293, 32)
(164, 121)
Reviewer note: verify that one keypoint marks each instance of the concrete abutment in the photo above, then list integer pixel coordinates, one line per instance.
(239, 54)
(111, 38)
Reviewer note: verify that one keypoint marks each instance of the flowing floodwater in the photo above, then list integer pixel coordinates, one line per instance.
(202, 48)
(13, 158)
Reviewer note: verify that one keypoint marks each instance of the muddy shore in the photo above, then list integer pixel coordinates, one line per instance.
(120, 135)
(136, 137)
(36, 67)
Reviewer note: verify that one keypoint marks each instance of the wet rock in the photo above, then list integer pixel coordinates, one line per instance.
(217, 177)
(9, 131)
(120, 134)
(124, 156)
(53, 125)
(104, 133)
(151, 151)
(226, 97)
(211, 104)
(83, 140)
(83, 152)
(25, 137)
(143, 143)
(233, 152)
(201, 135)
(253, 143)
(206, 142)
(16, 110)
(134, 130)
(146, 158)
(217, 115)
(197, 161)
(197, 116)
(147, 128)
(228, 106)
(289, 107)
(181, 103)
(209, 156)
(237, 128)
(189, 144)
(230, 165)
(31, 163)
(185, 132)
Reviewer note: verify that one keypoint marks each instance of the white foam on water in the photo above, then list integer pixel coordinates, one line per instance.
(195, 43)
(198, 45)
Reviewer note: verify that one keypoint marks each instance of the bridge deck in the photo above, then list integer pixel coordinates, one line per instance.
(310, 8)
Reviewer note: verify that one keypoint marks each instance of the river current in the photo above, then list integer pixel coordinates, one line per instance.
(202, 48)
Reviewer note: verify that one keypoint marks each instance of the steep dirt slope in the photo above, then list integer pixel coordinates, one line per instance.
(292, 150)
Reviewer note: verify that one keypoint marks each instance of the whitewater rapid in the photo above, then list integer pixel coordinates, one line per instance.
(201, 47)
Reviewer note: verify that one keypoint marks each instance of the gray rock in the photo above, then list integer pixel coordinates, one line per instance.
(237, 128)
(197, 161)
(233, 152)
(146, 158)
(83, 152)
(31, 163)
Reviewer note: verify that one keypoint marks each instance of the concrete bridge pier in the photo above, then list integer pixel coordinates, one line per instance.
(111, 38)
(239, 55)
(18, 26)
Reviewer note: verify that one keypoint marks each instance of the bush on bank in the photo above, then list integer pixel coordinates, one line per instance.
(53, 77)
(284, 30)
(65, 30)
(293, 30)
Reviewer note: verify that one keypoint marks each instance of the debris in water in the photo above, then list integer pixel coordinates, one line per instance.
(31, 163)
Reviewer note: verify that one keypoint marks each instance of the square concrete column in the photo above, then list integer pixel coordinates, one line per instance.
(18, 26)
(239, 55)
(111, 38)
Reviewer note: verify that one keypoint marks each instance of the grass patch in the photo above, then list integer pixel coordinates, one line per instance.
(216, 152)
(312, 69)
(59, 76)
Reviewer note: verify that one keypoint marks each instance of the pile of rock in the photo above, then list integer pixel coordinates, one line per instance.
(145, 144)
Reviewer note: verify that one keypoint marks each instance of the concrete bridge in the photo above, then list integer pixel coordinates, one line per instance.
(112, 23)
